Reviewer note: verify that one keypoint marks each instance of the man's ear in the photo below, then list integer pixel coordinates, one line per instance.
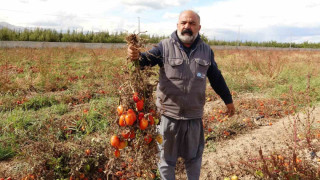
(199, 27)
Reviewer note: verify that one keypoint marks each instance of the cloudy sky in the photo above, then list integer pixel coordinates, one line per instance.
(245, 20)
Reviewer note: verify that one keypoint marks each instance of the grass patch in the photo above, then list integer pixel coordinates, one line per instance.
(39, 101)
(6, 152)
(59, 109)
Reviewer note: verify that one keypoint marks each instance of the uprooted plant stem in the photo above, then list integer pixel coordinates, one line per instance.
(138, 158)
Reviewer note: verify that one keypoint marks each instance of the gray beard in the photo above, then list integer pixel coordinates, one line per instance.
(186, 38)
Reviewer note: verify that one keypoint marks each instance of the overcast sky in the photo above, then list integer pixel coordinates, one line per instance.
(245, 20)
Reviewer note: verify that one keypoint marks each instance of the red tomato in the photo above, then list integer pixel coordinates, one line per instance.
(122, 144)
(139, 105)
(125, 134)
(132, 134)
(130, 111)
(120, 110)
(148, 138)
(130, 118)
(88, 152)
(152, 112)
(151, 120)
(143, 124)
(136, 97)
(141, 115)
(114, 141)
(119, 173)
(100, 170)
(117, 153)
(122, 121)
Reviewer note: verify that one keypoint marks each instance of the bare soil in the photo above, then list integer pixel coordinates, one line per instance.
(272, 138)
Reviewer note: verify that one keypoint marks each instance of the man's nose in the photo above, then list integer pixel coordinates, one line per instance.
(187, 26)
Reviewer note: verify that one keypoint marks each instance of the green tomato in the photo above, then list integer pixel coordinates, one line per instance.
(87, 168)
(156, 121)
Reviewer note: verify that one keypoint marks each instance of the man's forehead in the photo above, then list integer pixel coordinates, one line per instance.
(189, 17)
(187, 20)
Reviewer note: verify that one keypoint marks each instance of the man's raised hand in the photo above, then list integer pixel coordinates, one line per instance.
(133, 53)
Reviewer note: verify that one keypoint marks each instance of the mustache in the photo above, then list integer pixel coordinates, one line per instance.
(188, 31)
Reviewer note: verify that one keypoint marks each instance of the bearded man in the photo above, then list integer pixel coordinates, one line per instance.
(185, 61)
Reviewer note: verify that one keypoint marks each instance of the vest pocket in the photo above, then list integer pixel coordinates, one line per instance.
(174, 68)
(202, 67)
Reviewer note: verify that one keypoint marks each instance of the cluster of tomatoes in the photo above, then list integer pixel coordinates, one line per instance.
(130, 121)
(136, 134)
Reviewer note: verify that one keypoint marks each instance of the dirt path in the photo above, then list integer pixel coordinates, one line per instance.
(269, 138)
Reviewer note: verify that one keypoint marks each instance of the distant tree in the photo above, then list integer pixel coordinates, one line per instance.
(4, 35)
(24, 35)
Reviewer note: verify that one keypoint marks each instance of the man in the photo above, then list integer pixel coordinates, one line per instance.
(185, 61)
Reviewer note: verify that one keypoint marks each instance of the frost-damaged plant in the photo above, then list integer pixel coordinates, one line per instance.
(299, 160)
(133, 148)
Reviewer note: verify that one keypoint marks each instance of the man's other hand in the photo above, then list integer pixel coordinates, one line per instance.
(230, 109)
(133, 53)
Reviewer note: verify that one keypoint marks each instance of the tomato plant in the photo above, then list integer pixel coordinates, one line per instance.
(134, 107)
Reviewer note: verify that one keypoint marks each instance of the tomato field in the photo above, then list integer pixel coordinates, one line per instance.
(65, 113)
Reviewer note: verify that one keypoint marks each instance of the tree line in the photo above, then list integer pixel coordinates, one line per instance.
(51, 35)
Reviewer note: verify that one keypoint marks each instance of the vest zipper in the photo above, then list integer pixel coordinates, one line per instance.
(182, 114)
(192, 50)
(187, 61)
